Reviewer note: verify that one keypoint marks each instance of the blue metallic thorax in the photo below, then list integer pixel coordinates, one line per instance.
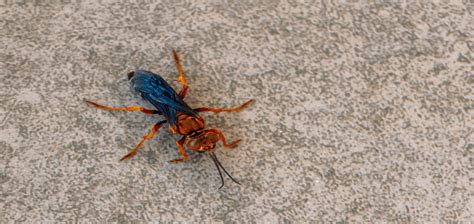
(154, 89)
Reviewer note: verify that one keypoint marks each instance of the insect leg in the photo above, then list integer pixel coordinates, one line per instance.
(219, 110)
(181, 150)
(181, 78)
(134, 151)
(222, 138)
(131, 108)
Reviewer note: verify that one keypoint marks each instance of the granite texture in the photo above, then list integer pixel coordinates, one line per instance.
(364, 110)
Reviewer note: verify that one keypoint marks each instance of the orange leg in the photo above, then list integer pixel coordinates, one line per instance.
(181, 78)
(184, 157)
(222, 138)
(134, 151)
(131, 108)
(218, 110)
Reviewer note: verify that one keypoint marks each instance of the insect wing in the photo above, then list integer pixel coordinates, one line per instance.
(159, 93)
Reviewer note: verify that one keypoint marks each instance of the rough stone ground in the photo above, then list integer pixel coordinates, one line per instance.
(364, 110)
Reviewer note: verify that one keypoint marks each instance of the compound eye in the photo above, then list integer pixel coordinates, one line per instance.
(194, 144)
(213, 137)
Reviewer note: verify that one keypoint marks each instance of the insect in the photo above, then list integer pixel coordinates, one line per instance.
(182, 119)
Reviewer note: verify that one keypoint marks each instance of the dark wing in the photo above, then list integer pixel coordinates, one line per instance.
(159, 93)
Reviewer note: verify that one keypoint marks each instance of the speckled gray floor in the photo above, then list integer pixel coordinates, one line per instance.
(364, 110)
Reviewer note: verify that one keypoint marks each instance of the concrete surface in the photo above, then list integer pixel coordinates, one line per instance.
(364, 110)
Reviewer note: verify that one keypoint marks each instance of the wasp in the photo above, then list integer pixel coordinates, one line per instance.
(181, 118)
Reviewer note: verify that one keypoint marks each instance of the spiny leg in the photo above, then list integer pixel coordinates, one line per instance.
(181, 78)
(219, 110)
(222, 138)
(131, 108)
(134, 151)
(184, 157)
